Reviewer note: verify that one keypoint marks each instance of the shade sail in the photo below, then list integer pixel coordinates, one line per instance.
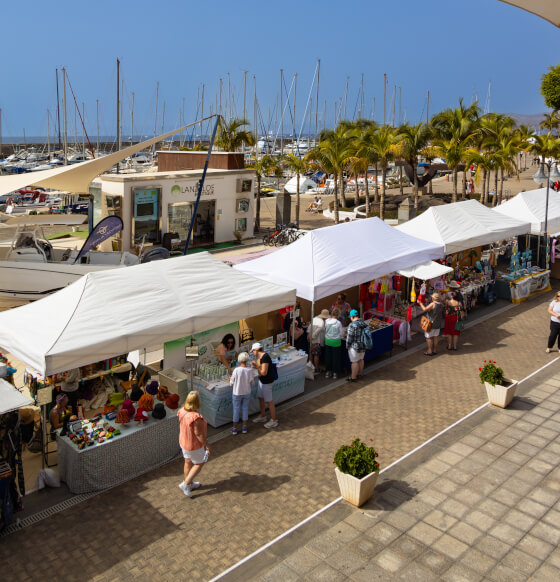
(77, 177)
(547, 9)
(463, 225)
(11, 398)
(426, 271)
(531, 206)
(328, 260)
(113, 312)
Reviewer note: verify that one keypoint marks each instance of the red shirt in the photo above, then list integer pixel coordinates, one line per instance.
(187, 437)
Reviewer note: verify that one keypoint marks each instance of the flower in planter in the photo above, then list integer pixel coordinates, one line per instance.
(356, 459)
(491, 373)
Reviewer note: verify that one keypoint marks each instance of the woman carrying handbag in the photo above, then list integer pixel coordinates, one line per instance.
(435, 312)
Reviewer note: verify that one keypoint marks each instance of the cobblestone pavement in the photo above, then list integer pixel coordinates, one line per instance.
(261, 484)
(481, 502)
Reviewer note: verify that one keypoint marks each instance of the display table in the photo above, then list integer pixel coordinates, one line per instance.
(518, 290)
(216, 405)
(139, 448)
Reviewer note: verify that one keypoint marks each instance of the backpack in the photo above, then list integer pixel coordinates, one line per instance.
(366, 338)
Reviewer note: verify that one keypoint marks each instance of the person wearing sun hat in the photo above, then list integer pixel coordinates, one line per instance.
(318, 337)
(263, 365)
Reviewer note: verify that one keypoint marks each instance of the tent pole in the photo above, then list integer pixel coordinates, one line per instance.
(294, 325)
(310, 333)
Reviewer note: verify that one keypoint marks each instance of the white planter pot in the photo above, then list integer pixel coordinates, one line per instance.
(356, 491)
(499, 395)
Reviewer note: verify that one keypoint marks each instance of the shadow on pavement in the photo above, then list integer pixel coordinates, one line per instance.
(389, 495)
(245, 483)
(522, 403)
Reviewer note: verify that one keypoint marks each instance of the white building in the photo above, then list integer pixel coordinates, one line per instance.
(153, 204)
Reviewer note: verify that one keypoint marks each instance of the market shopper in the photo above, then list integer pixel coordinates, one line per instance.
(355, 346)
(554, 312)
(241, 380)
(344, 308)
(318, 338)
(436, 311)
(263, 365)
(334, 333)
(69, 386)
(453, 309)
(193, 441)
(225, 352)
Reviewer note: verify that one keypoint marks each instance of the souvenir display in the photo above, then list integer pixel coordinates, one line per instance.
(172, 401)
(159, 411)
(152, 388)
(162, 393)
(146, 402)
(141, 415)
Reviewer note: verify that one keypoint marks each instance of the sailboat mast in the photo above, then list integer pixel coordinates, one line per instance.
(48, 136)
(83, 128)
(255, 116)
(155, 118)
(65, 117)
(281, 112)
(384, 99)
(58, 111)
(97, 121)
(118, 108)
(132, 120)
(317, 98)
(0, 131)
(294, 119)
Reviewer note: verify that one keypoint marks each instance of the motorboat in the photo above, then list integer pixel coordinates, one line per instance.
(31, 267)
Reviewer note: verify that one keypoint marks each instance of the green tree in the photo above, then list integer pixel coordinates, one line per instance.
(385, 145)
(550, 87)
(262, 167)
(414, 140)
(232, 135)
(551, 121)
(299, 167)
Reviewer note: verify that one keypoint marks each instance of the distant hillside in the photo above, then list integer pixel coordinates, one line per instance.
(533, 120)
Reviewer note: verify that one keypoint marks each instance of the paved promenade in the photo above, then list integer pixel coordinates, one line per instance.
(259, 485)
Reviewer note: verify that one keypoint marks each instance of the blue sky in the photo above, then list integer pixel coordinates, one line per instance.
(452, 48)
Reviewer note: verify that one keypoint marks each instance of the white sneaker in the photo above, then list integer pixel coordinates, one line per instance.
(271, 424)
(260, 419)
(186, 489)
(195, 485)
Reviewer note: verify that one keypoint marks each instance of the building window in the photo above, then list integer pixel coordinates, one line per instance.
(179, 216)
(244, 185)
(241, 224)
(243, 205)
(146, 215)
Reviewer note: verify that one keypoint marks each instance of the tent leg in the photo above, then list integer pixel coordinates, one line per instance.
(310, 332)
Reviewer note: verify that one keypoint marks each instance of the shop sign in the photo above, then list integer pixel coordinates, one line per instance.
(207, 190)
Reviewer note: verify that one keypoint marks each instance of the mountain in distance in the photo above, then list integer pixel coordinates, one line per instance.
(530, 120)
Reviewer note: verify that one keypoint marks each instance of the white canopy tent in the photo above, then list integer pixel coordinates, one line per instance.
(463, 225)
(107, 313)
(305, 184)
(330, 259)
(547, 9)
(531, 206)
(76, 177)
(11, 398)
(425, 271)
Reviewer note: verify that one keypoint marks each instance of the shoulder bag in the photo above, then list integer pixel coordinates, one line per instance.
(426, 324)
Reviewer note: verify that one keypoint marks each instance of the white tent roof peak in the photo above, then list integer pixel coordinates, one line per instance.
(328, 260)
(463, 225)
(114, 312)
(305, 184)
(530, 206)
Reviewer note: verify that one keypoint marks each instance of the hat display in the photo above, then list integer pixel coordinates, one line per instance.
(108, 408)
(256, 346)
(172, 401)
(141, 415)
(354, 313)
(146, 402)
(116, 399)
(152, 387)
(159, 411)
(123, 417)
(453, 285)
(136, 393)
(129, 407)
(324, 314)
(162, 394)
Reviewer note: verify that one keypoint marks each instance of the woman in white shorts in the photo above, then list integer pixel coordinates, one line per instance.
(436, 311)
(193, 442)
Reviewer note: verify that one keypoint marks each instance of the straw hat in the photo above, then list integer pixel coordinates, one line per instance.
(436, 297)
(324, 314)
(454, 285)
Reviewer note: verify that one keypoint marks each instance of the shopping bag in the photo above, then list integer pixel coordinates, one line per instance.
(426, 324)
(309, 371)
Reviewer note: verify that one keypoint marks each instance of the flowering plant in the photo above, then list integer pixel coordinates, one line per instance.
(491, 373)
(356, 459)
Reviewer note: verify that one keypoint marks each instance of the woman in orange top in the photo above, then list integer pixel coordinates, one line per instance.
(193, 442)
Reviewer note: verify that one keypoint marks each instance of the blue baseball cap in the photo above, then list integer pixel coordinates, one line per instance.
(354, 313)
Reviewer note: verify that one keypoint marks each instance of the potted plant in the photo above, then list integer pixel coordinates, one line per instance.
(356, 471)
(500, 390)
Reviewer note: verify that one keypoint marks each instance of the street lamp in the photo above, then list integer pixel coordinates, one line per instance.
(539, 177)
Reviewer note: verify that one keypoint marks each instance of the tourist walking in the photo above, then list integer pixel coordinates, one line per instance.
(554, 312)
(263, 365)
(334, 333)
(193, 442)
(318, 338)
(241, 380)
(436, 311)
(355, 346)
(453, 311)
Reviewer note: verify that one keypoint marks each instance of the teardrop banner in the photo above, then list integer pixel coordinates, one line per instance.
(105, 229)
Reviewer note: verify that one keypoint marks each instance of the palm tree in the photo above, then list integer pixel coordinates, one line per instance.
(297, 166)
(525, 135)
(384, 143)
(262, 167)
(232, 135)
(551, 121)
(455, 130)
(414, 140)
